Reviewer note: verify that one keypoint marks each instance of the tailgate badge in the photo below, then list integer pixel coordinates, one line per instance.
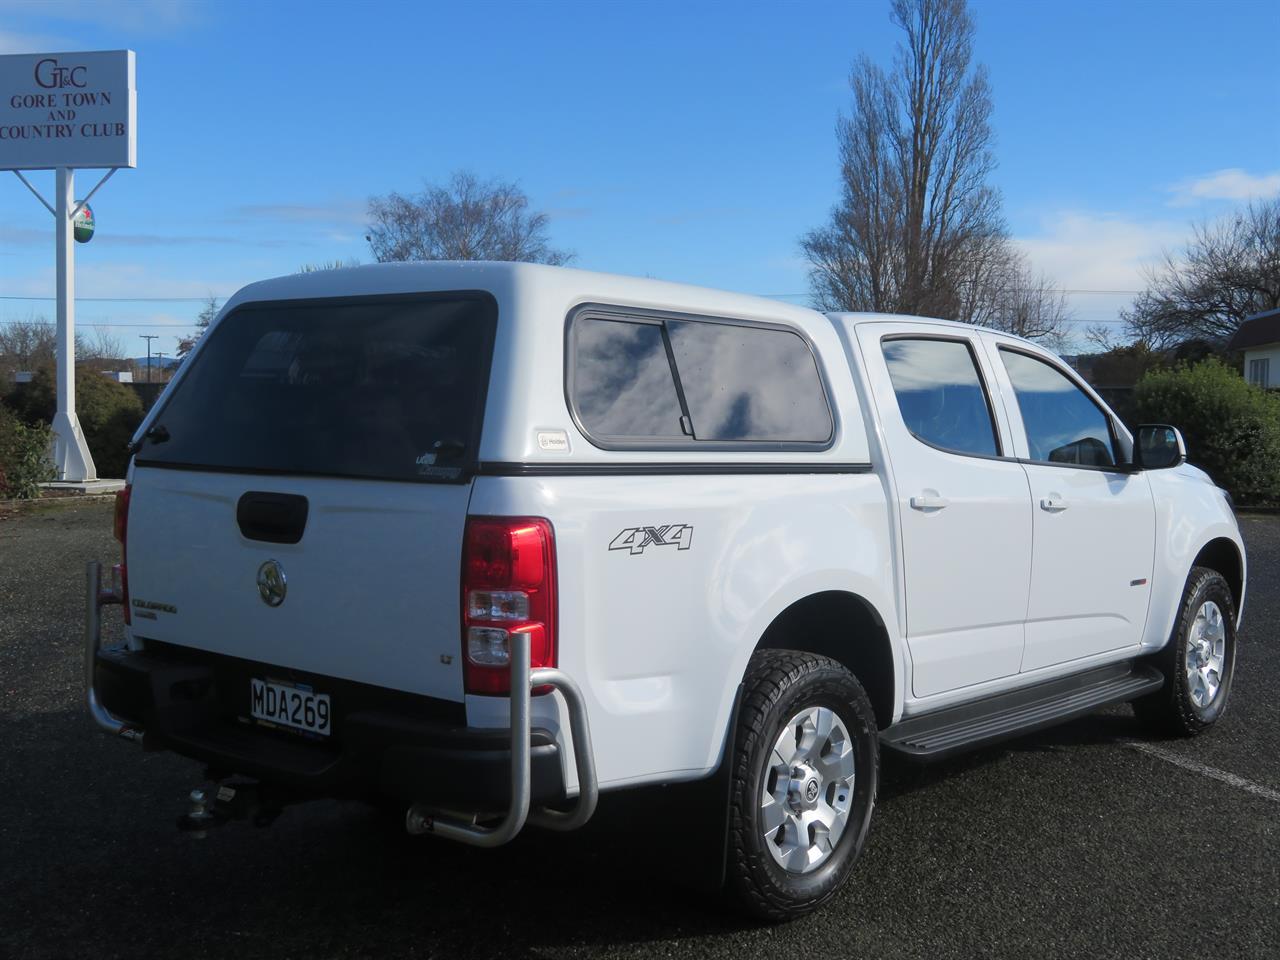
(272, 584)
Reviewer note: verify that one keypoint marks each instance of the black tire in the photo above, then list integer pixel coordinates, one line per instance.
(780, 685)
(1174, 709)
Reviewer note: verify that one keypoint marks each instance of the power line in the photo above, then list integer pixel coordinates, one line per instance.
(771, 296)
(117, 299)
(53, 323)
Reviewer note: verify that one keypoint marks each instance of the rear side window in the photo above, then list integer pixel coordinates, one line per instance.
(940, 394)
(749, 383)
(1063, 424)
(380, 389)
(664, 382)
(623, 385)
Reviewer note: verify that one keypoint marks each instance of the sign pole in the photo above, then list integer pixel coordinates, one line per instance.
(72, 459)
(63, 112)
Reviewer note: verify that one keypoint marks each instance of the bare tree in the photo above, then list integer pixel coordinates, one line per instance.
(1229, 270)
(104, 347)
(26, 344)
(328, 265)
(205, 317)
(468, 219)
(917, 222)
(1026, 304)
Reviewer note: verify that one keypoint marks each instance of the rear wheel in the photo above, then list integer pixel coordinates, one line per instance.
(804, 778)
(1198, 662)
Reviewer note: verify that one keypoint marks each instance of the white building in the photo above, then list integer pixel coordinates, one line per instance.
(1259, 339)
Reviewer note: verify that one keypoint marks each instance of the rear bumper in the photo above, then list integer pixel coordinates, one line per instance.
(389, 743)
(384, 743)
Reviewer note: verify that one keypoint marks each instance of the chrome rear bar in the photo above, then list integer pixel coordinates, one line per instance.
(96, 599)
(421, 819)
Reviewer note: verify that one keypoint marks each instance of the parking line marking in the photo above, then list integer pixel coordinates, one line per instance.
(1204, 770)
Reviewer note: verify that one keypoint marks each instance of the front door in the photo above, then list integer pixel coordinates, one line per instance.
(964, 508)
(1094, 526)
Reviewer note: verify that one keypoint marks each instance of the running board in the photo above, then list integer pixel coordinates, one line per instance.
(955, 729)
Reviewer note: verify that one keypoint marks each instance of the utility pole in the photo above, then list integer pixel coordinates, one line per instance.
(160, 360)
(149, 337)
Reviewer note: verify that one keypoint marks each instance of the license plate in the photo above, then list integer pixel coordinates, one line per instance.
(294, 707)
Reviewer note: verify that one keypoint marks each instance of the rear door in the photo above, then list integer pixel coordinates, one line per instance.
(1094, 525)
(964, 508)
(301, 497)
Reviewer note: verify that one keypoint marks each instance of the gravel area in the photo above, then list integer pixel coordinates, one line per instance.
(1071, 843)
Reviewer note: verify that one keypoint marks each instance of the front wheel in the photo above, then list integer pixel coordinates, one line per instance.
(1198, 662)
(804, 778)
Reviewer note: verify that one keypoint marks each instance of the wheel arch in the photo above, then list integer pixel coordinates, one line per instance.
(847, 628)
(1222, 554)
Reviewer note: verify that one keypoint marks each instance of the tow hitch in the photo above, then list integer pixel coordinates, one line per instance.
(221, 803)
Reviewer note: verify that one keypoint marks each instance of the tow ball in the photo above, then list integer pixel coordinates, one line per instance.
(221, 803)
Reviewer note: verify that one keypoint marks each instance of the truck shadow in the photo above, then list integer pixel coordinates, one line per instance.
(92, 860)
(900, 777)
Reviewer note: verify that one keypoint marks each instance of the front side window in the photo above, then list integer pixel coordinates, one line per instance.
(1063, 424)
(940, 394)
(674, 382)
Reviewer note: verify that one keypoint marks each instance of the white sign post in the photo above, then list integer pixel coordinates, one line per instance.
(63, 111)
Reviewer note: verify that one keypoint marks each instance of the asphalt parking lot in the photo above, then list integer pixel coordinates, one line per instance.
(1072, 843)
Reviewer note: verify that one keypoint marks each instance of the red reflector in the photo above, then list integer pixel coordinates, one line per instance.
(121, 523)
(121, 531)
(512, 559)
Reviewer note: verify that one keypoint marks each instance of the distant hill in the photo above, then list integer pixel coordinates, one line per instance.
(156, 361)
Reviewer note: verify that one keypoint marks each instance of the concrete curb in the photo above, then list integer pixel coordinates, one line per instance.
(19, 506)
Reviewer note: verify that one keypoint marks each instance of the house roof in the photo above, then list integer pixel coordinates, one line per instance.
(1261, 328)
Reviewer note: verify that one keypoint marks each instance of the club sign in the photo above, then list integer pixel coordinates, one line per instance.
(68, 110)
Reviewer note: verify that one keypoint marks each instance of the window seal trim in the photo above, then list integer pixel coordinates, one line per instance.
(967, 342)
(658, 317)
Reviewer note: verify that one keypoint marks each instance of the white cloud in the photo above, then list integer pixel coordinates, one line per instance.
(1229, 184)
(12, 41)
(1082, 250)
(149, 16)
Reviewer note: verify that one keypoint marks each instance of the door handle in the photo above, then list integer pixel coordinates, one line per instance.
(929, 503)
(1053, 504)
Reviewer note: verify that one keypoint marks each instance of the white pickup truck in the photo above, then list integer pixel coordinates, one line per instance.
(483, 540)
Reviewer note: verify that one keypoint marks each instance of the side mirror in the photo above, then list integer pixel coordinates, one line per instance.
(1158, 447)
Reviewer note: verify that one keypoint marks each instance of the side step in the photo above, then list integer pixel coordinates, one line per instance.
(955, 729)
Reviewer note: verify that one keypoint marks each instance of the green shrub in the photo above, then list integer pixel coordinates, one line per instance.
(109, 413)
(24, 457)
(1232, 428)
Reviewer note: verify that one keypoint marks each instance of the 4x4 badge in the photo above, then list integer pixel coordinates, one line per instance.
(272, 584)
(636, 539)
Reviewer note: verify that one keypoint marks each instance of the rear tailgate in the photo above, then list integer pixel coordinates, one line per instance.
(299, 499)
(370, 590)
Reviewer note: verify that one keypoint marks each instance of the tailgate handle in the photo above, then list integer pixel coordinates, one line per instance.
(272, 517)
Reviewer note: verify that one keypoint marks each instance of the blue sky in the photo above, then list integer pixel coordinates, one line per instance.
(688, 141)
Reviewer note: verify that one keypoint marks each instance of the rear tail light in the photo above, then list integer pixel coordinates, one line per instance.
(508, 587)
(121, 530)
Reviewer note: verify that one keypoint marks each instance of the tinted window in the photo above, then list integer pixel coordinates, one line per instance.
(749, 383)
(636, 381)
(941, 395)
(387, 390)
(1063, 425)
(622, 383)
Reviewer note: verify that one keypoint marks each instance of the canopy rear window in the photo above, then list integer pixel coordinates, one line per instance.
(378, 388)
